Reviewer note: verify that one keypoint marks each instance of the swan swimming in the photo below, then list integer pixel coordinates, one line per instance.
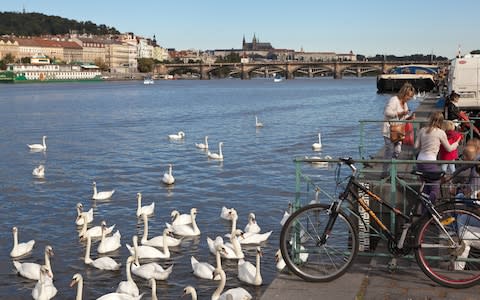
(94, 232)
(217, 156)
(318, 146)
(129, 286)
(180, 219)
(249, 273)
(32, 270)
(252, 225)
(203, 146)
(188, 229)
(44, 289)
(109, 244)
(89, 215)
(180, 135)
(151, 270)
(226, 213)
(20, 249)
(190, 290)
(236, 293)
(153, 283)
(203, 269)
(168, 177)
(149, 251)
(248, 237)
(101, 195)
(144, 210)
(158, 240)
(39, 171)
(78, 280)
(102, 263)
(39, 147)
(257, 123)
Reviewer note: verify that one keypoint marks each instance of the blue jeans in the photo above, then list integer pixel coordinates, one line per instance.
(392, 150)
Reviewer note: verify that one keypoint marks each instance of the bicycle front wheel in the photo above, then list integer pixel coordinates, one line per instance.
(310, 258)
(450, 257)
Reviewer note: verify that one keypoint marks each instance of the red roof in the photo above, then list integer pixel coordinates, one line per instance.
(36, 42)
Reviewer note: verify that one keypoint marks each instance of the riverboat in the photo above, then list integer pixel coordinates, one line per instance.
(422, 77)
(25, 73)
(277, 78)
(464, 79)
(148, 80)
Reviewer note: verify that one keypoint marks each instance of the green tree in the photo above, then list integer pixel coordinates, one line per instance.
(101, 64)
(145, 65)
(9, 58)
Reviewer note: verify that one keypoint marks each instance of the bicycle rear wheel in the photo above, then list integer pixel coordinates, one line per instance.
(303, 252)
(449, 259)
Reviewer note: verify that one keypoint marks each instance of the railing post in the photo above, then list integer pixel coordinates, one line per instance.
(298, 173)
(393, 191)
(361, 146)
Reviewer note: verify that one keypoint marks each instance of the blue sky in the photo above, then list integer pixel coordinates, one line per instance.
(365, 27)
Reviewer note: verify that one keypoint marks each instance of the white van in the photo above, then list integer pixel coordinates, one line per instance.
(464, 78)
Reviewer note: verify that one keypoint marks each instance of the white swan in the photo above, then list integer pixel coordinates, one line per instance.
(236, 293)
(151, 270)
(190, 290)
(257, 123)
(286, 214)
(203, 146)
(39, 147)
(96, 231)
(144, 210)
(188, 229)
(234, 249)
(89, 215)
(129, 286)
(153, 283)
(317, 146)
(149, 251)
(279, 262)
(32, 270)
(39, 171)
(252, 225)
(249, 273)
(180, 219)
(203, 269)
(226, 213)
(217, 156)
(44, 289)
(320, 164)
(20, 249)
(109, 244)
(78, 280)
(248, 237)
(168, 177)
(101, 195)
(102, 263)
(317, 197)
(180, 135)
(158, 240)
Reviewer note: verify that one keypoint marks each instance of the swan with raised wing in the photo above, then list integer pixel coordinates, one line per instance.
(157, 241)
(249, 273)
(168, 176)
(217, 156)
(180, 135)
(151, 270)
(129, 286)
(188, 229)
(32, 270)
(20, 249)
(258, 124)
(101, 195)
(39, 147)
(102, 263)
(252, 225)
(149, 251)
(318, 146)
(190, 290)
(44, 289)
(95, 231)
(39, 171)
(109, 244)
(89, 215)
(203, 146)
(180, 219)
(144, 210)
(236, 293)
(203, 269)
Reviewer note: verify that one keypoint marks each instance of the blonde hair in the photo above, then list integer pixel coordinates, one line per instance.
(404, 90)
(436, 121)
(448, 125)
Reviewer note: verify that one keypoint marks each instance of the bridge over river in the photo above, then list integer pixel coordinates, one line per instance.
(290, 69)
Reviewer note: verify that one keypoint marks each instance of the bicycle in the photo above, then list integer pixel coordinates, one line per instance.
(319, 242)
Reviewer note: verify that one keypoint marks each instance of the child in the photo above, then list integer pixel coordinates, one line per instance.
(452, 137)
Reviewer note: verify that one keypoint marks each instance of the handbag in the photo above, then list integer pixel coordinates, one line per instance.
(397, 132)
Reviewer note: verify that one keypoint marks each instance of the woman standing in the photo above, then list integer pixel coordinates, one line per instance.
(396, 109)
(428, 142)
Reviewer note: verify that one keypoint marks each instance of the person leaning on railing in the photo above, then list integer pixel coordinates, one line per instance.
(428, 142)
(396, 109)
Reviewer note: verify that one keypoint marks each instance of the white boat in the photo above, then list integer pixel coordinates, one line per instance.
(422, 77)
(148, 80)
(464, 79)
(277, 78)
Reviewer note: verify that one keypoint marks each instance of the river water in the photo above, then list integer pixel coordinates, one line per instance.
(115, 133)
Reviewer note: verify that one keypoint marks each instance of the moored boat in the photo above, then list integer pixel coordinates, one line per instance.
(422, 77)
(148, 80)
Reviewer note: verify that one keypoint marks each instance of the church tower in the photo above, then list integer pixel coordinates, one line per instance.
(254, 42)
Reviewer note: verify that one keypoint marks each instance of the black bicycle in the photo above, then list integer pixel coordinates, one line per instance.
(319, 242)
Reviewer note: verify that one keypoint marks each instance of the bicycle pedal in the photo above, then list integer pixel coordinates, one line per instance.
(447, 221)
